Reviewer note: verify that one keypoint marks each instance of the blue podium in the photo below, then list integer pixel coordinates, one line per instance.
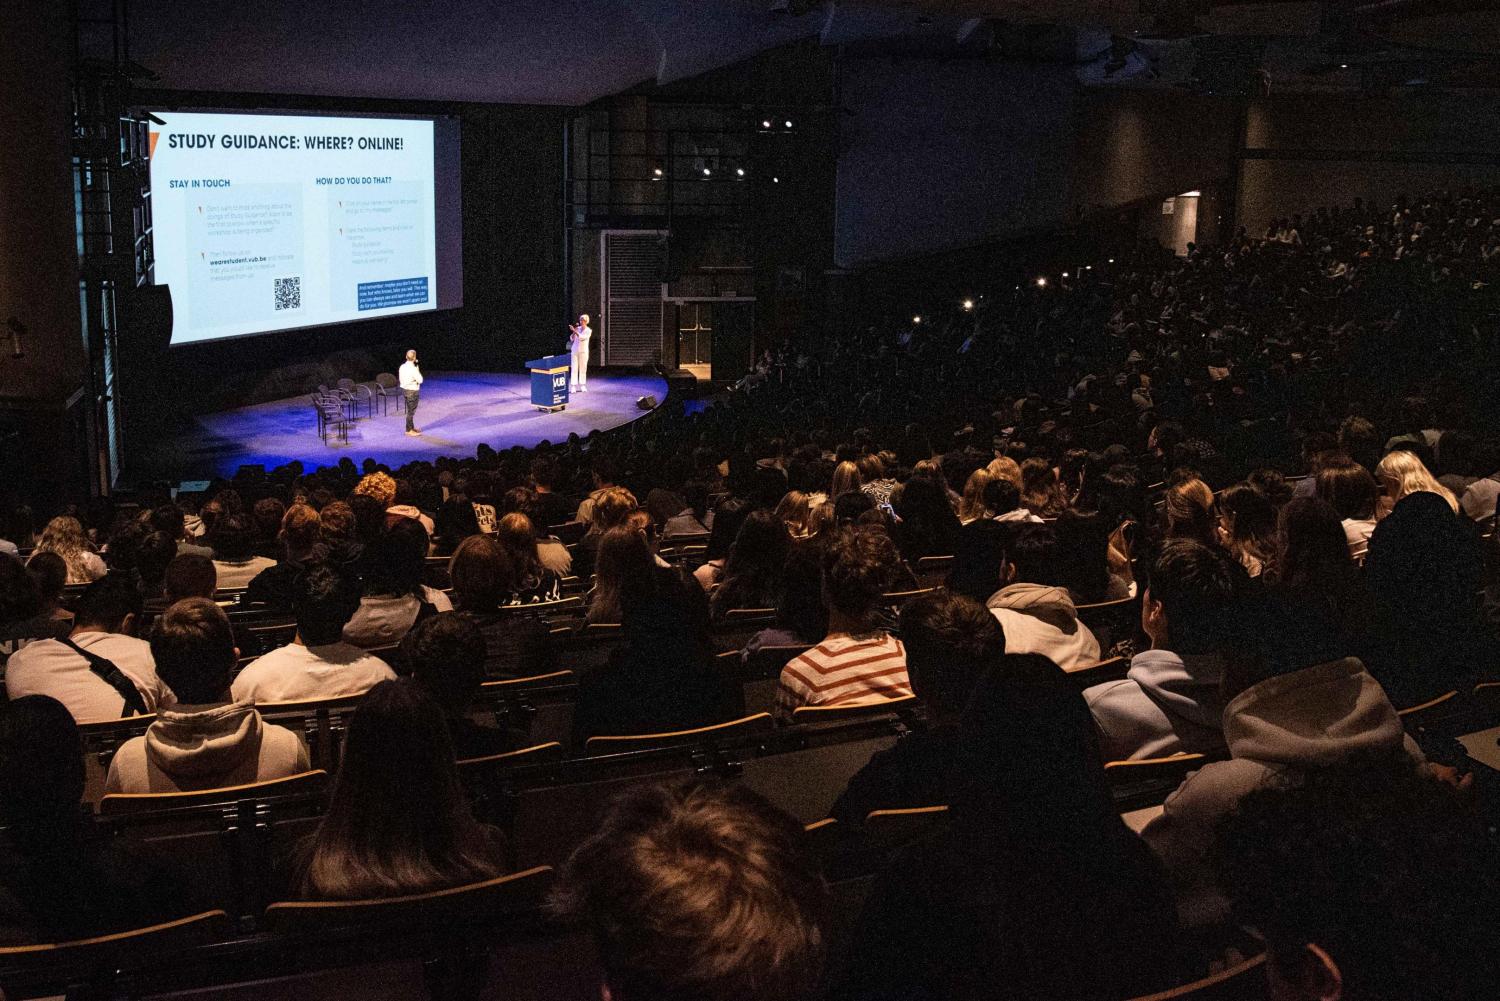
(549, 382)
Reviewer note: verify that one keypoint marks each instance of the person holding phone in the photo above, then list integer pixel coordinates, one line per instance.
(578, 346)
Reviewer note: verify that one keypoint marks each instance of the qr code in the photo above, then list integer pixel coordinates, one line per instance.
(288, 293)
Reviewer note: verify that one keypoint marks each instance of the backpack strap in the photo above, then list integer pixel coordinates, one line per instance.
(106, 671)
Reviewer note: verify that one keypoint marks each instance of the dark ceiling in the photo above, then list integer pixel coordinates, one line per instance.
(574, 51)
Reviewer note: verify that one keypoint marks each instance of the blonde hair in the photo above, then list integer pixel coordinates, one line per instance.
(64, 536)
(1189, 510)
(380, 486)
(1005, 468)
(1402, 474)
(611, 508)
(846, 479)
(795, 512)
(971, 507)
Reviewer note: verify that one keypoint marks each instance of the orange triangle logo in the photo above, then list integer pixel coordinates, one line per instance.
(151, 147)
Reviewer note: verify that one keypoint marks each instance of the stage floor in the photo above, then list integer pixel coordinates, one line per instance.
(459, 410)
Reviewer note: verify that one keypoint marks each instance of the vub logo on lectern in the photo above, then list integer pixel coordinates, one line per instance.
(559, 381)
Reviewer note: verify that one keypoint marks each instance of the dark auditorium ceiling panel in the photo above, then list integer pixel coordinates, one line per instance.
(574, 51)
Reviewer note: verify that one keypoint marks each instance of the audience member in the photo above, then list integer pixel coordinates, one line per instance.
(533, 582)
(298, 538)
(62, 878)
(951, 642)
(518, 640)
(397, 821)
(1368, 881)
(701, 892)
(1350, 489)
(64, 536)
(856, 660)
(754, 572)
(446, 657)
(1034, 887)
(100, 670)
(318, 663)
(190, 576)
(1035, 610)
(394, 596)
(205, 741)
(1292, 704)
(1169, 702)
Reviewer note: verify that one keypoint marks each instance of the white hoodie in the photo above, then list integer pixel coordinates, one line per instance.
(1312, 717)
(205, 747)
(1167, 704)
(1041, 619)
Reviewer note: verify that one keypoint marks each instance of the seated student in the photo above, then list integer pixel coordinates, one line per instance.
(190, 575)
(1033, 887)
(397, 820)
(699, 891)
(532, 581)
(552, 508)
(50, 573)
(317, 664)
(950, 642)
(519, 640)
(856, 660)
(100, 671)
(205, 741)
(553, 556)
(61, 878)
(664, 676)
(1369, 882)
(609, 508)
(1353, 493)
(1036, 612)
(394, 596)
(755, 570)
(235, 561)
(446, 656)
(1169, 701)
(299, 537)
(1293, 703)
(24, 615)
(801, 619)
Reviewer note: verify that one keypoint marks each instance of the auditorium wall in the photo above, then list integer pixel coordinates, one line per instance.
(1307, 150)
(41, 400)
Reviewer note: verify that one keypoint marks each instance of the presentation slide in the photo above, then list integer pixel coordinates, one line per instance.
(272, 222)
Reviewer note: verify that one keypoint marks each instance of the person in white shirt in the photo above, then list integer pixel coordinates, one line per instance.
(578, 345)
(410, 378)
(317, 664)
(1037, 614)
(394, 596)
(93, 669)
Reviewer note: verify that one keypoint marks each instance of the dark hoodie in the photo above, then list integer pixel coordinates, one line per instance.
(1425, 574)
(1036, 888)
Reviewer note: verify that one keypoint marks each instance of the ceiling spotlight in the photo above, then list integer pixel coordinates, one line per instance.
(656, 172)
(1041, 282)
(1343, 66)
(788, 123)
(968, 304)
(707, 172)
(1111, 260)
(1065, 274)
(740, 171)
(775, 180)
(1088, 267)
(765, 123)
(916, 319)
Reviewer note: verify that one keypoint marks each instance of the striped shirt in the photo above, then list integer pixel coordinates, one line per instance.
(844, 668)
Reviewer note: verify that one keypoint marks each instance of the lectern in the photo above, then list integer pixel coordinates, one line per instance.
(549, 382)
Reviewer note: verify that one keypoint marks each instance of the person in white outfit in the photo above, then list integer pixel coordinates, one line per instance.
(578, 344)
(410, 378)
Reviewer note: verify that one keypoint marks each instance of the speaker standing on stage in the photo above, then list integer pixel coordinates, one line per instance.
(410, 378)
(578, 344)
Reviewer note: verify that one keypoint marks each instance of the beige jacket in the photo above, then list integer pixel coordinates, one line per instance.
(206, 747)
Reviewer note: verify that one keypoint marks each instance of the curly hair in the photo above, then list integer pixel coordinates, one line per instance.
(857, 568)
(378, 485)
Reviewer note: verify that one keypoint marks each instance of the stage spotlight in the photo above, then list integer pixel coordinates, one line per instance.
(775, 180)
(788, 123)
(656, 173)
(1111, 260)
(707, 172)
(1088, 267)
(916, 319)
(740, 171)
(765, 123)
(1065, 274)
(1041, 282)
(1343, 66)
(968, 304)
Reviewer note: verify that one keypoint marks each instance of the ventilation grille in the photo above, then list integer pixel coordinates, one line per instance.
(633, 266)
